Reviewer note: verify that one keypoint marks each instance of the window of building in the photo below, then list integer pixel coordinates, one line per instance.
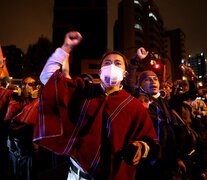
(138, 26)
(137, 2)
(151, 14)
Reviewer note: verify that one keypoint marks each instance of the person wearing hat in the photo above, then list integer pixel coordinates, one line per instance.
(164, 121)
(170, 163)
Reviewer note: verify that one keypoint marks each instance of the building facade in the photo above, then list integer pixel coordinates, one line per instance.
(90, 19)
(123, 25)
(198, 63)
(174, 41)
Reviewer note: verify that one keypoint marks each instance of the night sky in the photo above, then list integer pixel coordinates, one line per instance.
(24, 21)
(191, 17)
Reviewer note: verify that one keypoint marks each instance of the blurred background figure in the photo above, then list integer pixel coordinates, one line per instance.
(167, 88)
(3, 69)
(18, 113)
(191, 112)
(145, 99)
(199, 124)
(21, 115)
(5, 96)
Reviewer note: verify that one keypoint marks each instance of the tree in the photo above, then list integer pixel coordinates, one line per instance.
(37, 55)
(14, 60)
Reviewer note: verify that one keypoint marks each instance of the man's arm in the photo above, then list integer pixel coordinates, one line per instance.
(132, 68)
(60, 57)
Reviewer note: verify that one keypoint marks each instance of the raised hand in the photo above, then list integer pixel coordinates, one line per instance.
(188, 71)
(72, 39)
(142, 53)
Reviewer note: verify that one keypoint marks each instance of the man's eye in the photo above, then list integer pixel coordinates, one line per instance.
(107, 63)
(118, 64)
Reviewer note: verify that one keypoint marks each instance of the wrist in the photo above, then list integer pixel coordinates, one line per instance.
(66, 47)
(135, 61)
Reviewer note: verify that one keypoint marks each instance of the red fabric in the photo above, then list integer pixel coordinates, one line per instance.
(5, 96)
(19, 111)
(57, 126)
(13, 108)
(29, 113)
(22, 111)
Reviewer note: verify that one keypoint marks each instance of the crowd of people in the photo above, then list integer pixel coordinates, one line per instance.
(56, 126)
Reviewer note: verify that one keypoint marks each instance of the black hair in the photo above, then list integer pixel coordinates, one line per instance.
(33, 76)
(108, 52)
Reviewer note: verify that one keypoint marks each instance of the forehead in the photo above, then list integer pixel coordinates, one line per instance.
(29, 79)
(151, 77)
(113, 57)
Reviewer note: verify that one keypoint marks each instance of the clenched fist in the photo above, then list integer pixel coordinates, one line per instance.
(72, 39)
(142, 53)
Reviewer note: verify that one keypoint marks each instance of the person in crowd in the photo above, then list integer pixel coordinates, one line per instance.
(22, 114)
(182, 91)
(145, 99)
(191, 141)
(167, 89)
(102, 130)
(5, 96)
(170, 163)
(165, 124)
(19, 117)
(199, 108)
(198, 112)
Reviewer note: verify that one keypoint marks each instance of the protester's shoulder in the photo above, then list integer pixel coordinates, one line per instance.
(135, 100)
(6, 91)
(87, 78)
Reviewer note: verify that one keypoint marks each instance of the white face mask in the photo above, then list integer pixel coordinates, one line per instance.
(111, 75)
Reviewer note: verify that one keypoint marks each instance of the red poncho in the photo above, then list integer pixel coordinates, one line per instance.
(78, 119)
(21, 111)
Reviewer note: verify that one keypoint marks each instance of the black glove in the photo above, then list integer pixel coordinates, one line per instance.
(133, 153)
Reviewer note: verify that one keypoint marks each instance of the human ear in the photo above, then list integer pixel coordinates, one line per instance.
(125, 73)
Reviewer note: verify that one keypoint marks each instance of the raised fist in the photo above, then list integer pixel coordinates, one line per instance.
(72, 39)
(142, 53)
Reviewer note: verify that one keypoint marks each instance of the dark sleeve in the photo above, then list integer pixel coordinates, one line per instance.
(154, 151)
(178, 99)
(153, 111)
(131, 79)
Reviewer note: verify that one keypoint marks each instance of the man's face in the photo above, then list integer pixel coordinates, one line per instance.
(112, 71)
(168, 90)
(151, 85)
(28, 86)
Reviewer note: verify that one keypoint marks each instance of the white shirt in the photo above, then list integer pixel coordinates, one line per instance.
(54, 63)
